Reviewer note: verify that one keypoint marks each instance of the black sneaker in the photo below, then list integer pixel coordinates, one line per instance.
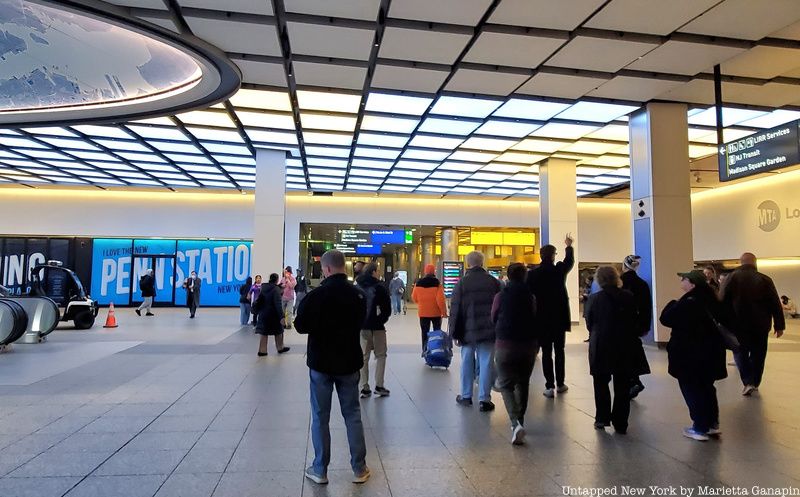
(635, 390)
(382, 392)
(149, 314)
(138, 312)
(365, 392)
(284, 350)
(463, 401)
(486, 406)
(600, 425)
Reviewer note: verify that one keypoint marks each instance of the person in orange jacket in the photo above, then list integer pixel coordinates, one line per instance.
(428, 294)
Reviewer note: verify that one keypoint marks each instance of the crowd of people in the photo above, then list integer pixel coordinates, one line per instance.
(500, 327)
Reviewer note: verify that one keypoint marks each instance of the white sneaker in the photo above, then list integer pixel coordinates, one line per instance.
(318, 479)
(748, 390)
(562, 388)
(518, 435)
(714, 432)
(363, 477)
(695, 435)
(549, 393)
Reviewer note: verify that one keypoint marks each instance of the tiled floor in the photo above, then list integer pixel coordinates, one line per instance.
(171, 407)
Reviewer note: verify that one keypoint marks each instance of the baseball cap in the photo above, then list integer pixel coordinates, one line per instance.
(631, 261)
(430, 269)
(695, 276)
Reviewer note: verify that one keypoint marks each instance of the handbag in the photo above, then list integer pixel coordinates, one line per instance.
(729, 338)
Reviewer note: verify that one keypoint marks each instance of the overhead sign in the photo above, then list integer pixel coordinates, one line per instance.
(761, 152)
(353, 237)
(388, 236)
(452, 273)
(368, 249)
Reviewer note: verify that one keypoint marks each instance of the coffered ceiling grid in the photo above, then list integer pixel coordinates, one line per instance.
(460, 96)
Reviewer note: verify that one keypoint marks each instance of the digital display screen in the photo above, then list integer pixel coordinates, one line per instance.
(452, 273)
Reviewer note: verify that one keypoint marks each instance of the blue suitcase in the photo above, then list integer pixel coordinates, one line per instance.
(439, 349)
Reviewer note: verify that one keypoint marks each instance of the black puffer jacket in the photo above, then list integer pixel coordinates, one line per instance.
(752, 303)
(471, 307)
(331, 315)
(548, 284)
(695, 349)
(379, 305)
(516, 314)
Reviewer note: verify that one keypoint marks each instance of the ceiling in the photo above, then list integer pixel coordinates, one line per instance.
(454, 97)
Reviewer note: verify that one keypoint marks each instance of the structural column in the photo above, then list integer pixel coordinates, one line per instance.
(449, 244)
(558, 216)
(518, 253)
(413, 262)
(428, 250)
(660, 201)
(270, 211)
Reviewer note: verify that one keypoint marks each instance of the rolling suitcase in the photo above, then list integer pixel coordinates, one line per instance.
(438, 350)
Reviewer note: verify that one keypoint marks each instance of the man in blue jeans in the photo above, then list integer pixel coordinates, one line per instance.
(331, 315)
(472, 328)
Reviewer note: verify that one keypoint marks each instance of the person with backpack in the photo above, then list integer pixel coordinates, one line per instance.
(516, 346)
(428, 294)
(373, 331)
(244, 301)
(270, 316)
(147, 283)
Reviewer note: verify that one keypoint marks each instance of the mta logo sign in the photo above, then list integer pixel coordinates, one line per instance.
(769, 215)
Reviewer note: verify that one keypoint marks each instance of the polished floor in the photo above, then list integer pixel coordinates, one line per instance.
(169, 406)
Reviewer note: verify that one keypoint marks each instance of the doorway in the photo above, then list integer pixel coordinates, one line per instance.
(163, 267)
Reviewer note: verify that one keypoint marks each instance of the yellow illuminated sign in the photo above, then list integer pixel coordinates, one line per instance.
(500, 238)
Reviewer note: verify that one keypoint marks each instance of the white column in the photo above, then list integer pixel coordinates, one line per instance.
(660, 201)
(270, 210)
(558, 215)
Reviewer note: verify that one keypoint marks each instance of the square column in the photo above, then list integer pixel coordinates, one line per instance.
(270, 209)
(661, 205)
(558, 215)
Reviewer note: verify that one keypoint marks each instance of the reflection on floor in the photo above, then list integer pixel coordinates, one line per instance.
(191, 411)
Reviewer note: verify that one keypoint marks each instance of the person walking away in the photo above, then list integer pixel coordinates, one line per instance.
(288, 282)
(752, 305)
(301, 289)
(255, 291)
(472, 329)
(147, 284)
(548, 284)
(270, 316)
(192, 286)
(789, 307)
(397, 289)
(428, 294)
(332, 316)
(644, 315)
(614, 339)
(516, 346)
(373, 331)
(696, 352)
(244, 301)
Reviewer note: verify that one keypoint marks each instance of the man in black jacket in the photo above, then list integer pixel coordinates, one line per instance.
(472, 328)
(644, 315)
(332, 315)
(373, 331)
(548, 284)
(147, 284)
(753, 305)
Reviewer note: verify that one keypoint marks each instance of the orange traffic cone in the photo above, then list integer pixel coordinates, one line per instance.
(111, 320)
